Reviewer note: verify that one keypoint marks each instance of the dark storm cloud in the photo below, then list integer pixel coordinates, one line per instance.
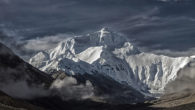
(154, 24)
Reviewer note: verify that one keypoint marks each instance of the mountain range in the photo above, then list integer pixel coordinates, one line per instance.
(104, 64)
(112, 55)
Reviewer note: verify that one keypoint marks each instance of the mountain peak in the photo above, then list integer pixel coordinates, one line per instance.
(104, 37)
(103, 33)
(105, 30)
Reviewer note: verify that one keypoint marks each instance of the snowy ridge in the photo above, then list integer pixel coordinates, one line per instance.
(111, 54)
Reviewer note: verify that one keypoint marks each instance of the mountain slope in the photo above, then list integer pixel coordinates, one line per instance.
(9, 103)
(181, 91)
(104, 89)
(12, 67)
(110, 91)
(18, 78)
(14, 73)
(111, 54)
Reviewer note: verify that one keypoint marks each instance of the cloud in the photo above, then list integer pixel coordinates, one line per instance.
(21, 89)
(184, 81)
(173, 53)
(148, 21)
(5, 1)
(68, 88)
(171, 0)
(45, 43)
(26, 48)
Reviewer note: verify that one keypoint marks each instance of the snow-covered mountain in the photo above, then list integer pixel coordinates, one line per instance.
(113, 55)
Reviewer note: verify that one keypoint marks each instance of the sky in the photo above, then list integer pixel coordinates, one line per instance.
(158, 26)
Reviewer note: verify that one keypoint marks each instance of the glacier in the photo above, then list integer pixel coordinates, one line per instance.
(113, 55)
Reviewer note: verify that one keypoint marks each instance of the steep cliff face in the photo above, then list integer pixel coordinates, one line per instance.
(112, 55)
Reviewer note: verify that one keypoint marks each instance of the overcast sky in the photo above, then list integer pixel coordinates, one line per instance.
(159, 26)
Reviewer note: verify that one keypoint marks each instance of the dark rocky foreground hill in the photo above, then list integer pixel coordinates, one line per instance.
(13, 68)
(54, 103)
